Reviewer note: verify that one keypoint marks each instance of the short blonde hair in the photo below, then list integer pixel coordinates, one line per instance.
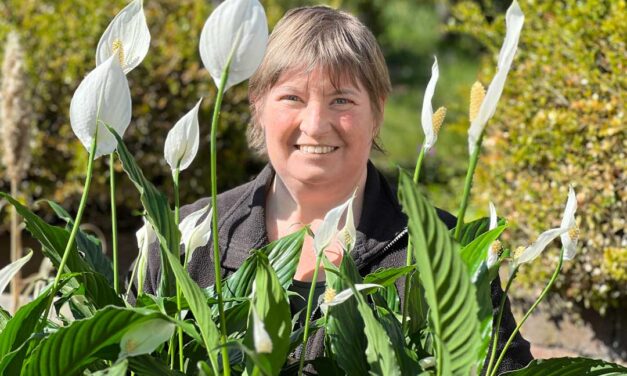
(320, 36)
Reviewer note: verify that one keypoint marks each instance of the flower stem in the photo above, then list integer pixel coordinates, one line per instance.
(177, 220)
(533, 307)
(214, 219)
(495, 339)
(467, 186)
(312, 290)
(79, 214)
(77, 223)
(114, 222)
(408, 260)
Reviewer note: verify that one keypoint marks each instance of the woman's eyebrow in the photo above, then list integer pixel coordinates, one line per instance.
(343, 91)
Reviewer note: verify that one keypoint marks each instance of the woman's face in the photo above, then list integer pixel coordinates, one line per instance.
(317, 134)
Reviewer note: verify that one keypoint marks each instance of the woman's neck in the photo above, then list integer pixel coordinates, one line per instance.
(290, 206)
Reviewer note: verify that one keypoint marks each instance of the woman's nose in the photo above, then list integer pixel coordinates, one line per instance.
(315, 120)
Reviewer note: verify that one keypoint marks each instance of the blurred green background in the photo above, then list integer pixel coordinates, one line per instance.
(560, 120)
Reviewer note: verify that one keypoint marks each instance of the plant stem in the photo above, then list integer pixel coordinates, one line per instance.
(499, 319)
(77, 223)
(16, 250)
(533, 307)
(312, 290)
(214, 219)
(408, 260)
(177, 220)
(79, 214)
(114, 222)
(467, 186)
(418, 167)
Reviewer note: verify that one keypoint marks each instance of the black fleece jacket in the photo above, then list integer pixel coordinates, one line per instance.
(381, 242)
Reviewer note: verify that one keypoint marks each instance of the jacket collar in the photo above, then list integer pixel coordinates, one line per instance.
(242, 226)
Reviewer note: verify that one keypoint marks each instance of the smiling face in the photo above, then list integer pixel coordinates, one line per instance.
(317, 134)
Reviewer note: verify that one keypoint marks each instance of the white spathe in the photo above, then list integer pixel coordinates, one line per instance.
(238, 25)
(514, 19)
(194, 234)
(348, 235)
(493, 257)
(181, 144)
(568, 222)
(427, 108)
(261, 338)
(344, 295)
(145, 237)
(7, 273)
(327, 231)
(102, 97)
(534, 250)
(127, 37)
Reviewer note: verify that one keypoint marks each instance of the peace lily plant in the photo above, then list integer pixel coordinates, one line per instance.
(243, 323)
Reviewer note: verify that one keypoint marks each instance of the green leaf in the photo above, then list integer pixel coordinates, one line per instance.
(345, 329)
(387, 276)
(283, 255)
(407, 359)
(470, 231)
(4, 319)
(198, 305)
(53, 240)
(21, 327)
(446, 280)
(271, 305)
(379, 352)
(475, 255)
(86, 243)
(158, 213)
(417, 308)
(476, 252)
(569, 366)
(71, 349)
(144, 338)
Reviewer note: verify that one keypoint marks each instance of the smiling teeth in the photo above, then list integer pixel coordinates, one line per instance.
(316, 149)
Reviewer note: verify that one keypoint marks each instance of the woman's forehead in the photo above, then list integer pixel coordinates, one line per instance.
(299, 76)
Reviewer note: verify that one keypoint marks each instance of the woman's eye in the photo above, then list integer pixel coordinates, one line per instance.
(290, 97)
(341, 101)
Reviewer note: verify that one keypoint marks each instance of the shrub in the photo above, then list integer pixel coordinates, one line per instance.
(561, 121)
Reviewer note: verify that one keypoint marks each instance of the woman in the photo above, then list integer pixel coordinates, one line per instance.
(317, 106)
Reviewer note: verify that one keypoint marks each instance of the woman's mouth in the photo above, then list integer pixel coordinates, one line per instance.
(316, 149)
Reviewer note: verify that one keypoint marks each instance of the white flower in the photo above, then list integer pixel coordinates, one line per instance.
(261, 338)
(569, 238)
(181, 144)
(568, 224)
(7, 273)
(145, 337)
(514, 21)
(328, 230)
(493, 251)
(431, 135)
(127, 37)
(194, 234)
(348, 235)
(102, 97)
(345, 295)
(145, 237)
(239, 26)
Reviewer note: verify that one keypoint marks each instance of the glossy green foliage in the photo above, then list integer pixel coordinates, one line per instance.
(446, 280)
(569, 366)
